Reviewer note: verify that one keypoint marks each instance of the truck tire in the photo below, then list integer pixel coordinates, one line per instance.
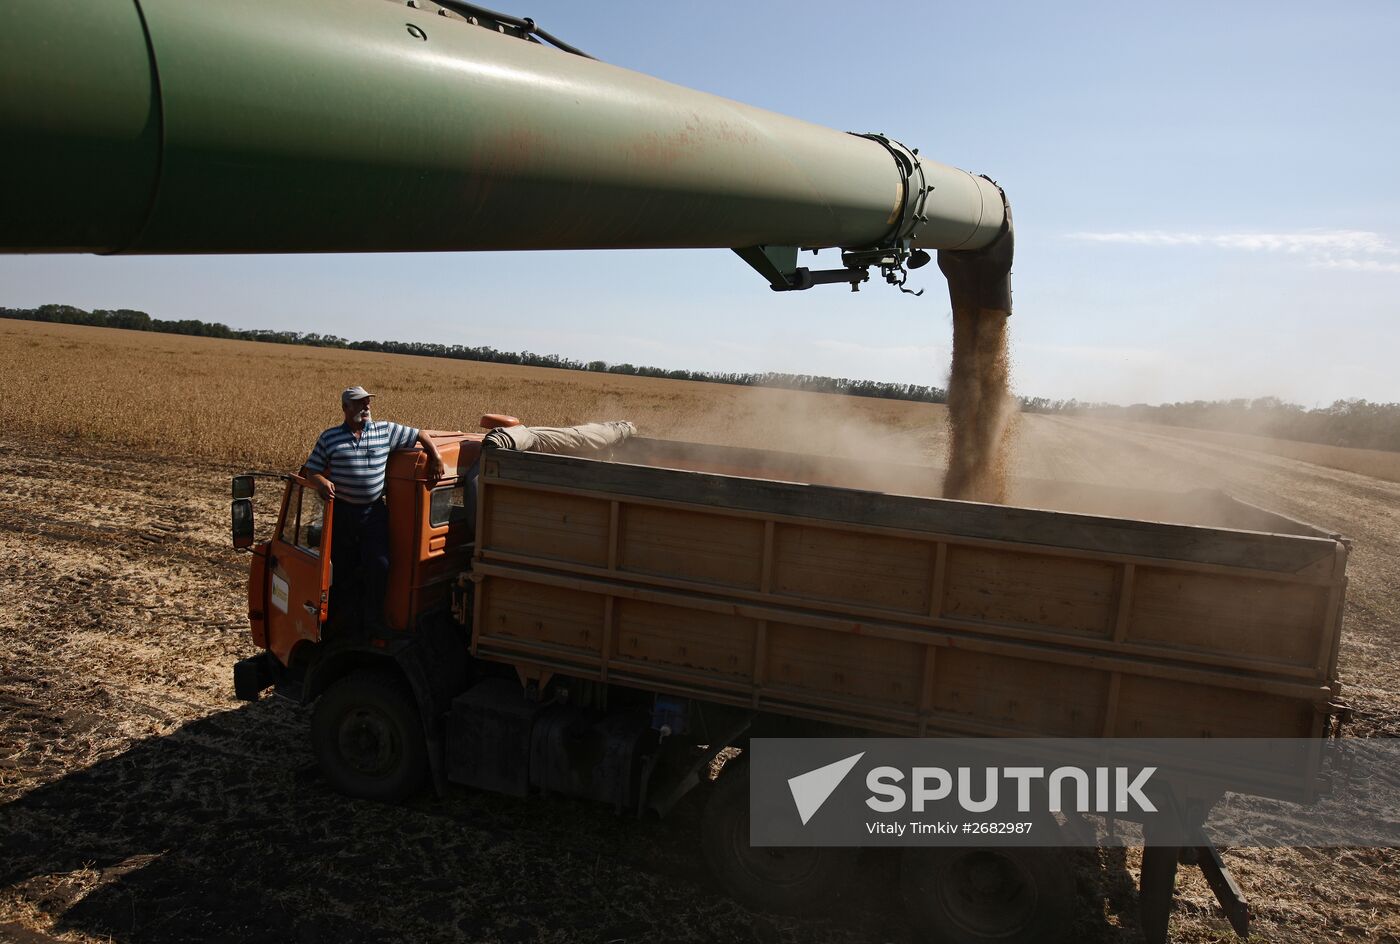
(1006, 895)
(789, 881)
(368, 737)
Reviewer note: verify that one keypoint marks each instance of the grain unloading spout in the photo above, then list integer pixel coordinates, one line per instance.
(280, 126)
(979, 280)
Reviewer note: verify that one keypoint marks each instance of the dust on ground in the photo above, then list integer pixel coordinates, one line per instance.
(140, 803)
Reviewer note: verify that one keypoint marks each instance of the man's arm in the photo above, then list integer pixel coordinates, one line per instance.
(436, 468)
(323, 485)
(403, 437)
(317, 462)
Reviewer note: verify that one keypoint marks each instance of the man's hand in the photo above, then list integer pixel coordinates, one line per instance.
(436, 468)
(324, 487)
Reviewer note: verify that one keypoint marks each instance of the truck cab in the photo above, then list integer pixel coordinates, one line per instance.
(292, 591)
(306, 618)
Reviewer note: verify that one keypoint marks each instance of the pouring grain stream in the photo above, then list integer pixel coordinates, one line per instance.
(981, 409)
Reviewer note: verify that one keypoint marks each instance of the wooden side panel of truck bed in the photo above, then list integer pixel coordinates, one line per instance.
(903, 614)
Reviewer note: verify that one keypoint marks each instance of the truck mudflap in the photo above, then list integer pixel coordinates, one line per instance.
(254, 675)
(1157, 884)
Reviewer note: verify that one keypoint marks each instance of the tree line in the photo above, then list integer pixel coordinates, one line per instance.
(141, 321)
(1356, 423)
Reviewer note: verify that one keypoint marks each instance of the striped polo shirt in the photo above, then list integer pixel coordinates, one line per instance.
(356, 466)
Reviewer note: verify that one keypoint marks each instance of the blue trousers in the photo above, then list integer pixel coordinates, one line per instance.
(360, 557)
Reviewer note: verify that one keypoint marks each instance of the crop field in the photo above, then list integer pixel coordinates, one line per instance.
(139, 802)
(263, 404)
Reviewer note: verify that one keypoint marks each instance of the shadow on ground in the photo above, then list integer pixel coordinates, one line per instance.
(223, 831)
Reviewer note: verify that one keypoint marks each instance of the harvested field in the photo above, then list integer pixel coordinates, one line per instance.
(140, 803)
(1373, 462)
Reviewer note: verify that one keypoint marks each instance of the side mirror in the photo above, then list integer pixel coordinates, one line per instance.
(242, 521)
(243, 486)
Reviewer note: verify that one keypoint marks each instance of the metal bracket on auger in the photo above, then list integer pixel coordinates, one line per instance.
(892, 253)
(778, 264)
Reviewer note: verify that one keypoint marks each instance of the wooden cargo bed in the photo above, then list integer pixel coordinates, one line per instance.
(901, 613)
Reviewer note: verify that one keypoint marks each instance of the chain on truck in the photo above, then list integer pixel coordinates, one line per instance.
(606, 626)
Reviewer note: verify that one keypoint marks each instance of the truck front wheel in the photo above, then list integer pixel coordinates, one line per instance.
(790, 881)
(368, 737)
(1010, 895)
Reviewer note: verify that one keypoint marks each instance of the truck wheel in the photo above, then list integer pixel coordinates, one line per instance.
(1008, 895)
(368, 737)
(765, 879)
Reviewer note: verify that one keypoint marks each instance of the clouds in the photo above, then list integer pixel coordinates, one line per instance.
(1350, 250)
(1355, 265)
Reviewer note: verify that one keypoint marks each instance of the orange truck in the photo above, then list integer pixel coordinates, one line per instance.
(605, 626)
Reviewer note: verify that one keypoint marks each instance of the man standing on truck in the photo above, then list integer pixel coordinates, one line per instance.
(348, 464)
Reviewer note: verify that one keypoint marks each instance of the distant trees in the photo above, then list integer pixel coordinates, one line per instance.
(1046, 405)
(118, 318)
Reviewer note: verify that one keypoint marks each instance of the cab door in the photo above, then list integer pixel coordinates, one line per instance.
(299, 570)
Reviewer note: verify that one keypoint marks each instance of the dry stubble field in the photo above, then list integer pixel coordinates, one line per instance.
(140, 803)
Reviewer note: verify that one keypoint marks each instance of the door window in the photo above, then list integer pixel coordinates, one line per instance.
(288, 533)
(310, 522)
(305, 518)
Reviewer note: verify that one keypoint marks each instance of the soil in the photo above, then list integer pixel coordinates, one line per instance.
(140, 803)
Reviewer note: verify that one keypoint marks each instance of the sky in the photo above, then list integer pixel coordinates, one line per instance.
(1206, 198)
